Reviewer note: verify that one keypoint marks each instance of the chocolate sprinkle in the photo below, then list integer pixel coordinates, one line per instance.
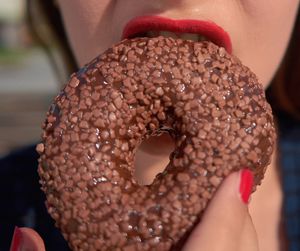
(214, 109)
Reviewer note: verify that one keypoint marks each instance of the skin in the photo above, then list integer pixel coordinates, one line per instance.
(259, 31)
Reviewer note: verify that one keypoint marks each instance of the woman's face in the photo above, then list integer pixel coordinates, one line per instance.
(259, 30)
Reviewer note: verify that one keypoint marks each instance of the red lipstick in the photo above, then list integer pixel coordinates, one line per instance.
(208, 29)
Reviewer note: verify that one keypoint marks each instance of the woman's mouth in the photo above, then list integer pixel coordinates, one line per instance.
(187, 29)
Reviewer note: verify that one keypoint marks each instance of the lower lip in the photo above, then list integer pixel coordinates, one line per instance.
(206, 28)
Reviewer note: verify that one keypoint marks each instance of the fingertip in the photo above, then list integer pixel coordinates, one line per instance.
(31, 240)
(238, 184)
(16, 240)
(230, 188)
(246, 184)
(225, 215)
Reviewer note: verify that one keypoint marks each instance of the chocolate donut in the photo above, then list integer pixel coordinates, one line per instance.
(211, 105)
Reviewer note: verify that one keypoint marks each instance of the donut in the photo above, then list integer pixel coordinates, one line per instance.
(212, 106)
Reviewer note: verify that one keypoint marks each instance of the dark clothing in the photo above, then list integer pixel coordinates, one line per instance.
(289, 149)
(23, 202)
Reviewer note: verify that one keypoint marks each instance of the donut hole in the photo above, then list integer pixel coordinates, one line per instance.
(152, 157)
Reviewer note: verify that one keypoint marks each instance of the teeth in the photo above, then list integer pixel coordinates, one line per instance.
(152, 34)
(185, 36)
(168, 34)
(202, 38)
(190, 36)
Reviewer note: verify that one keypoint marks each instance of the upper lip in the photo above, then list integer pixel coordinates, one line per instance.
(209, 29)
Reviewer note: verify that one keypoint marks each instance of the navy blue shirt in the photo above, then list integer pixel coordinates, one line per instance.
(22, 201)
(289, 149)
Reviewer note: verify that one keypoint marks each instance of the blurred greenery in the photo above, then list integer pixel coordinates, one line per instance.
(9, 56)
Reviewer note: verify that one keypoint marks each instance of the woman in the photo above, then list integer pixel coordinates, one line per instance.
(260, 32)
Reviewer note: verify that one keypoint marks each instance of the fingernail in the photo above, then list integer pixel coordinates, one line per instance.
(246, 184)
(16, 240)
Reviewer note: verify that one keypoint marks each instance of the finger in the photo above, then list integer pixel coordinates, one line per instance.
(27, 239)
(223, 221)
(249, 240)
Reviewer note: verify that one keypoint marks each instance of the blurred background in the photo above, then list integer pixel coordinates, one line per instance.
(27, 81)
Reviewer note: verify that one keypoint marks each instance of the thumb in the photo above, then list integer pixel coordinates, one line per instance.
(223, 222)
(26, 239)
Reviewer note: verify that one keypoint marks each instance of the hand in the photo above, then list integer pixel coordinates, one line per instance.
(226, 224)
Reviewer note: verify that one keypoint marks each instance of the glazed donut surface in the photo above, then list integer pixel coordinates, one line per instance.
(211, 105)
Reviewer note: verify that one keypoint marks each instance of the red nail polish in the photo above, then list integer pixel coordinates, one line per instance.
(246, 184)
(16, 241)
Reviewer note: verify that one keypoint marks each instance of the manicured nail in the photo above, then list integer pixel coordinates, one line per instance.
(16, 240)
(246, 184)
